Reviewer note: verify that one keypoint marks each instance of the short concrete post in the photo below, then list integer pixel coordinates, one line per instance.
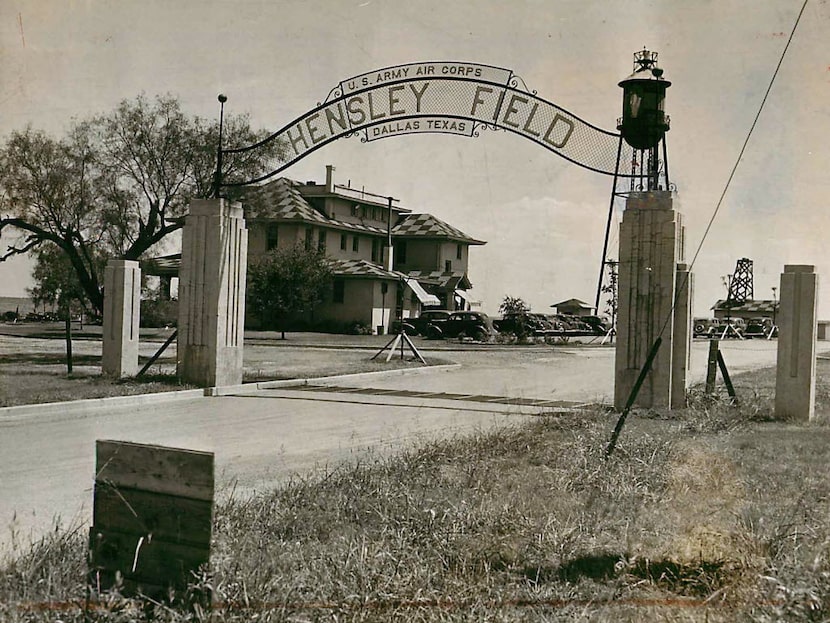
(122, 302)
(212, 294)
(651, 245)
(795, 380)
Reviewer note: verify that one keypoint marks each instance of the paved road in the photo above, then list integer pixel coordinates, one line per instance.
(262, 437)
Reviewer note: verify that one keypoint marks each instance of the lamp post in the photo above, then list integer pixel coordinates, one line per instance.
(217, 177)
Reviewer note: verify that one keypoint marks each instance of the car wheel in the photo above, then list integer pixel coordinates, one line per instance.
(434, 333)
(409, 329)
(479, 335)
(700, 328)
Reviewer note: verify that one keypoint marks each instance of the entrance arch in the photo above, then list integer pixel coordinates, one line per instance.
(444, 97)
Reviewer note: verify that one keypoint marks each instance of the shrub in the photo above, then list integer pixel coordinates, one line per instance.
(159, 313)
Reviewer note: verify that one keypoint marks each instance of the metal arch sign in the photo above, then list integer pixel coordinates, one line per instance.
(447, 97)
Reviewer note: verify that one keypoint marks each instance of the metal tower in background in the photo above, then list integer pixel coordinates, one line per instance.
(741, 285)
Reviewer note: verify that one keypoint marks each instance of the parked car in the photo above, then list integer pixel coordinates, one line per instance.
(570, 324)
(598, 324)
(476, 325)
(706, 327)
(418, 326)
(524, 323)
(760, 327)
(737, 327)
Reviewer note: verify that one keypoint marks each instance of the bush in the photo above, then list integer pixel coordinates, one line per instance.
(157, 313)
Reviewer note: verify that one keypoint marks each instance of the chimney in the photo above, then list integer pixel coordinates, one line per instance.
(329, 178)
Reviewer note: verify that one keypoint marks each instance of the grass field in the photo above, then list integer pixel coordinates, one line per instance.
(714, 513)
(33, 364)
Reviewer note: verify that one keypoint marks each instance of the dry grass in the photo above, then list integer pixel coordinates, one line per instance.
(713, 514)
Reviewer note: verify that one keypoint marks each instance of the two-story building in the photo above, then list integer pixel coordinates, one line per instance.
(372, 287)
(428, 263)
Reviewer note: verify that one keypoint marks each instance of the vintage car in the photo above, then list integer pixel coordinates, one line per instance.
(524, 323)
(472, 324)
(706, 327)
(418, 326)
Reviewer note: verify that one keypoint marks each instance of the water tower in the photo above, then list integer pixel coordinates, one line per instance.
(654, 282)
(644, 123)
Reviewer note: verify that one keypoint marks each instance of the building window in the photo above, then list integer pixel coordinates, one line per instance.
(376, 214)
(343, 243)
(309, 237)
(458, 251)
(339, 294)
(321, 241)
(271, 236)
(376, 250)
(356, 244)
(400, 252)
(448, 265)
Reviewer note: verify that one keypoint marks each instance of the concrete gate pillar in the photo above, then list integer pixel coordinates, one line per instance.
(795, 379)
(650, 282)
(212, 294)
(122, 303)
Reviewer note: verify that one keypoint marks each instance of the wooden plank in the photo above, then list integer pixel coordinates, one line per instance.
(142, 560)
(712, 366)
(729, 387)
(167, 518)
(172, 471)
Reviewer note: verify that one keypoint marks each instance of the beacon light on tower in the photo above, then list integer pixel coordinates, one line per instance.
(644, 122)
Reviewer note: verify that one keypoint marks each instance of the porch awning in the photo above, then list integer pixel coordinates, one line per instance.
(425, 297)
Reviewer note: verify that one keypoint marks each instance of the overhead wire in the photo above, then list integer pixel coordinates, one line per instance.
(737, 161)
(655, 347)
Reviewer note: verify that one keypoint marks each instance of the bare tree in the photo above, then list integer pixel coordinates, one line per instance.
(116, 184)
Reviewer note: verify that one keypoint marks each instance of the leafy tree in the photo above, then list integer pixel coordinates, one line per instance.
(285, 282)
(116, 184)
(513, 304)
(56, 283)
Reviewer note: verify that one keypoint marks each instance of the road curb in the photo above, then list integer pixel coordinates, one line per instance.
(232, 389)
(69, 406)
(97, 404)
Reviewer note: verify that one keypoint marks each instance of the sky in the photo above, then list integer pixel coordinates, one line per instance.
(543, 217)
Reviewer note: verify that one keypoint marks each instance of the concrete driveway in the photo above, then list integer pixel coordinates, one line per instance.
(262, 437)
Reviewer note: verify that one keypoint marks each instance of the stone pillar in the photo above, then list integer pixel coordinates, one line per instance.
(212, 294)
(122, 303)
(651, 245)
(795, 379)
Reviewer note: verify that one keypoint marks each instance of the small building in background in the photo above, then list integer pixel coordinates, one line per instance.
(748, 310)
(574, 307)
